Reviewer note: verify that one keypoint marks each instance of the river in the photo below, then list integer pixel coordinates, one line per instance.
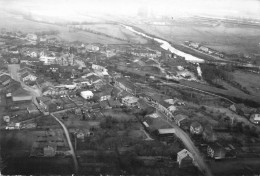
(167, 46)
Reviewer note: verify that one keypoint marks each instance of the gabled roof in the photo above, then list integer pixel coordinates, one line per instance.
(180, 117)
(27, 74)
(127, 83)
(196, 124)
(104, 104)
(20, 93)
(113, 102)
(4, 78)
(166, 131)
(184, 153)
(105, 90)
(93, 77)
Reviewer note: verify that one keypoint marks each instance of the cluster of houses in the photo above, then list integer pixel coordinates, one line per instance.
(145, 53)
(204, 49)
(169, 108)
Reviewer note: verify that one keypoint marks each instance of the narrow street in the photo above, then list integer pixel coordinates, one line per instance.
(188, 144)
(66, 132)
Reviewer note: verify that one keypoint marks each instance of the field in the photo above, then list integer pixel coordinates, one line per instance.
(231, 93)
(16, 23)
(230, 38)
(250, 81)
(115, 31)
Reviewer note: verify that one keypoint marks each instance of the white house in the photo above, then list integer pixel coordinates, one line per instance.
(98, 67)
(87, 94)
(196, 128)
(130, 101)
(32, 54)
(47, 60)
(28, 77)
(31, 37)
(184, 157)
(255, 118)
(91, 47)
(194, 45)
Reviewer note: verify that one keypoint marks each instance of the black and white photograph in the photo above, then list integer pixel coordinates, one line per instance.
(130, 87)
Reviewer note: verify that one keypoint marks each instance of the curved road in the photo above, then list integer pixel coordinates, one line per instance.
(188, 144)
(76, 167)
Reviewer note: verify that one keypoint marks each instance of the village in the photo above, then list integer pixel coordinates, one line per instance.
(123, 108)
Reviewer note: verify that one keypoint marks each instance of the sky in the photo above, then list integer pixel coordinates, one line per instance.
(70, 8)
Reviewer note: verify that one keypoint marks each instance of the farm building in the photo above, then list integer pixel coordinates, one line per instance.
(166, 132)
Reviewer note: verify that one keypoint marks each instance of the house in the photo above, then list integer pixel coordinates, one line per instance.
(219, 54)
(181, 119)
(42, 101)
(32, 109)
(31, 37)
(48, 60)
(52, 91)
(114, 103)
(130, 101)
(184, 158)
(194, 45)
(92, 78)
(98, 84)
(13, 86)
(98, 67)
(126, 85)
(110, 53)
(81, 65)
(196, 128)
(233, 108)
(87, 94)
(33, 54)
(153, 115)
(211, 51)
(216, 151)
(5, 79)
(6, 118)
(172, 108)
(14, 60)
(29, 60)
(104, 104)
(24, 68)
(92, 48)
(21, 95)
(67, 85)
(255, 118)
(209, 135)
(49, 104)
(28, 77)
(49, 151)
(204, 49)
(104, 92)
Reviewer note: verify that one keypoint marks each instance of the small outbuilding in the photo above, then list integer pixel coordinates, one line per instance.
(87, 94)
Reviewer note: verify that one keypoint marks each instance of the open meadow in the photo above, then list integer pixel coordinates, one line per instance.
(17, 23)
(229, 38)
